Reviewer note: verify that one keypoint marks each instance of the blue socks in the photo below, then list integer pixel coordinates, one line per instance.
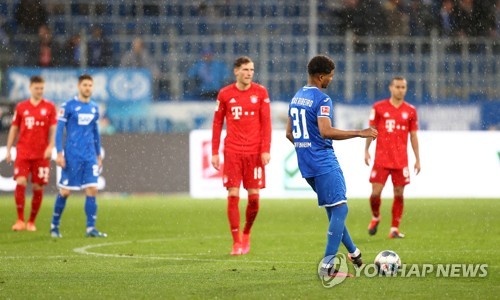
(90, 211)
(337, 231)
(58, 210)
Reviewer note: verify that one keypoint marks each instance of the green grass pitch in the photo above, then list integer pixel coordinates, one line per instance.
(164, 247)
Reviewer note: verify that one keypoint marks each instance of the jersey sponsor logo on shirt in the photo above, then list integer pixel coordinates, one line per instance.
(325, 110)
(237, 111)
(254, 99)
(85, 119)
(390, 125)
(29, 122)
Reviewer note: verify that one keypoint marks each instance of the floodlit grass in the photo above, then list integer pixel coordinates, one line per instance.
(176, 247)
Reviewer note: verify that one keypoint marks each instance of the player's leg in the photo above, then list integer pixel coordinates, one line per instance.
(39, 178)
(70, 181)
(232, 175)
(21, 172)
(59, 206)
(378, 177)
(400, 178)
(89, 183)
(254, 179)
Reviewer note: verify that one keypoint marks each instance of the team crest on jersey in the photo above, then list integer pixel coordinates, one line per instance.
(43, 111)
(254, 99)
(325, 110)
(404, 115)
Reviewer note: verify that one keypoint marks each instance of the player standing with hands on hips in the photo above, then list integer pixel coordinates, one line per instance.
(394, 119)
(81, 161)
(309, 128)
(246, 107)
(34, 122)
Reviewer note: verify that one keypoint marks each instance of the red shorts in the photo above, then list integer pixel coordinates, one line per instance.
(400, 177)
(39, 169)
(244, 167)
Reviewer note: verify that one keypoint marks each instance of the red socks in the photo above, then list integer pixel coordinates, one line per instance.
(397, 211)
(375, 205)
(20, 199)
(251, 213)
(233, 214)
(36, 202)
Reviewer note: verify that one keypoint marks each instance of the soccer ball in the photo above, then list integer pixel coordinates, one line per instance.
(387, 263)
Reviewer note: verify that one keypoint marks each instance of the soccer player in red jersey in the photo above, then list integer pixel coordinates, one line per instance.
(246, 107)
(394, 119)
(34, 125)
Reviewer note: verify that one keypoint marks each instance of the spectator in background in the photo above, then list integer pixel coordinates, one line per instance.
(30, 15)
(445, 18)
(464, 19)
(99, 49)
(73, 51)
(138, 57)
(421, 18)
(397, 18)
(42, 52)
(208, 75)
(484, 12)
(105, 126)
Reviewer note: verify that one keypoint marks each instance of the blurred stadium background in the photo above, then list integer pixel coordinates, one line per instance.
(452, 67)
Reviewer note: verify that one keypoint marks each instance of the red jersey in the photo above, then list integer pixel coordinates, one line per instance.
(248, 115)
(34, 123)
(393, 125)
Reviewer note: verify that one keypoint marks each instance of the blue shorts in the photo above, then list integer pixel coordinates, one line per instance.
(329, 187)
(79, 174)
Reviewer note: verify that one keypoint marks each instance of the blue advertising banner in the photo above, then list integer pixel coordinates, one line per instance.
(111, 85)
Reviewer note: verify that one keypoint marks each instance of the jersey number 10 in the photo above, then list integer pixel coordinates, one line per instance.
(299, 120)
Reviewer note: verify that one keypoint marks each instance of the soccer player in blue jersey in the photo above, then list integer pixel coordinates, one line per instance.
(81, 160)
(310, 129)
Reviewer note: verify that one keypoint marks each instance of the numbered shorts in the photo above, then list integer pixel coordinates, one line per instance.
(329, 187)
(79, 174)
(243, 167)
(400, 177)
(39, 169)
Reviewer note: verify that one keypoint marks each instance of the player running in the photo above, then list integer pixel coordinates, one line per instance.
(394, 119)
(246, 107)
(34, 123)
(81, 161)
(309, 128)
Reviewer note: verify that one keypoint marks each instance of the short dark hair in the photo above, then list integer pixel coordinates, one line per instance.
(397, 78)
(241, 61)
(85, 77)
(36, 79)
(320, 64)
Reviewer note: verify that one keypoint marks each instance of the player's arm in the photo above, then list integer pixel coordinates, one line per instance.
(52, 136)
(414, 146)
(97, 143)
(218, 123)
(328, 132)
(60, 160)
(266, 130)
(13, 131)
(368, 142)
(289, 132)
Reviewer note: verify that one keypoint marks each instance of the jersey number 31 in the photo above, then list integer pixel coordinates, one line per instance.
(298, 122)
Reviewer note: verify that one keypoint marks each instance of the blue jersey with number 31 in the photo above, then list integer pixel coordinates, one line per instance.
(315, 154)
